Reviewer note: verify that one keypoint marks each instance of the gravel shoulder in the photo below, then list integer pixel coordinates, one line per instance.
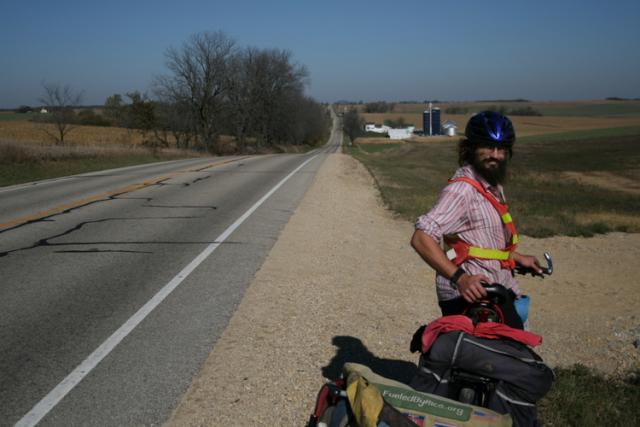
(342, 283)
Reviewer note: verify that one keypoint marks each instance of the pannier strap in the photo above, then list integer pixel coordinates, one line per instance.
(514, 401)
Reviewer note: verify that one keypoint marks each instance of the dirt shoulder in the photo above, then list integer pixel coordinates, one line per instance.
(343, 284)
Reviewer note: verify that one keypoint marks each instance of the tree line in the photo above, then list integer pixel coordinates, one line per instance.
(213, 87)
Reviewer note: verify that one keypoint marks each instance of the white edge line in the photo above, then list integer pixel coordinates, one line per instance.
(42, 408)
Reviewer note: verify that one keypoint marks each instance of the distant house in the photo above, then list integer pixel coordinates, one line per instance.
(43, 111)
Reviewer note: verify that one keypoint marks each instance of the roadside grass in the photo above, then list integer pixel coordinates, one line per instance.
(581, 397)
(543, 200)
(21, 162)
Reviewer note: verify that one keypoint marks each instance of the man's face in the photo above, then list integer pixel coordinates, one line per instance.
(491, 163)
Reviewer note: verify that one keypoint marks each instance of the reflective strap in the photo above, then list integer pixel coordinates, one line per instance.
(477, 252)
(515, 239)
(506, 218)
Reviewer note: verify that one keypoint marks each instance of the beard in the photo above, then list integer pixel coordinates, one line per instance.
(494, 175)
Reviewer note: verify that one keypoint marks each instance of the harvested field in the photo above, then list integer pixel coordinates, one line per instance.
(605, 180)
(547, 108)
(525, 125)
(25, 131)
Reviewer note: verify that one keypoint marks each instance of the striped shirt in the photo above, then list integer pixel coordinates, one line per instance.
(462, 210)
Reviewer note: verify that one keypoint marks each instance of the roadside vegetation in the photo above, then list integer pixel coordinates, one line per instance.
(572, 183)
(581, 397)
(27, 162)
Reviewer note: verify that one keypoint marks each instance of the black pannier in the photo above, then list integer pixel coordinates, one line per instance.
(516, 376)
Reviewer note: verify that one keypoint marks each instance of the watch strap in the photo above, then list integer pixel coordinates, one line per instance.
(456, 276)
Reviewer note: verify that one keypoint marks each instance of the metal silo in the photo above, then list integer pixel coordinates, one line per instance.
(425, 122)
(435, 121)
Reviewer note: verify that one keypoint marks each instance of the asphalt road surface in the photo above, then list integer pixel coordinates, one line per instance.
(114, 286)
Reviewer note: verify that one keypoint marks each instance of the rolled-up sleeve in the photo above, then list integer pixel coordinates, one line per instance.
(448, 216)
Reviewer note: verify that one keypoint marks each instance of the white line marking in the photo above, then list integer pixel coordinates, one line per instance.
(42, 408)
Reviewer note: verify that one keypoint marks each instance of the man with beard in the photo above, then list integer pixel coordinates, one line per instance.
(471, 218)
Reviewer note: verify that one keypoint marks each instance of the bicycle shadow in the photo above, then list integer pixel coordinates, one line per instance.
(351, 349)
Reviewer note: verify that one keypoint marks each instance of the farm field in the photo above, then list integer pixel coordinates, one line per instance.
(26, 131)
(578, 187)
(558, 116)
(548, 108)
(28, 154)
(524, 125)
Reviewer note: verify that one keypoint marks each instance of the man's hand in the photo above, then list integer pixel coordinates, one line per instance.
(470, 286)
(528, 261)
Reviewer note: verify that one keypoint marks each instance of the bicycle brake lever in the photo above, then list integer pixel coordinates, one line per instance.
(548, 270)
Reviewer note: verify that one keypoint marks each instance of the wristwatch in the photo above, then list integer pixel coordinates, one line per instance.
(456, 276)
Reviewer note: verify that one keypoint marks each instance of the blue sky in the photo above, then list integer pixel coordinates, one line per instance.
(354, 50)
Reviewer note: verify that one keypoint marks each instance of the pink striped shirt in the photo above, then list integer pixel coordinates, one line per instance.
(462, 210)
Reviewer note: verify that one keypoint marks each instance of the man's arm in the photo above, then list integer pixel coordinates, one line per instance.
(469, 286)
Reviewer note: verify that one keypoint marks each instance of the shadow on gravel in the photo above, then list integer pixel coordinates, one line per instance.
(351, 349)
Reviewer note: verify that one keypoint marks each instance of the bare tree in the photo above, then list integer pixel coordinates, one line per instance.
(199, 80)
(277, 84)
(60, 101)
(352, 124)
(240, 100)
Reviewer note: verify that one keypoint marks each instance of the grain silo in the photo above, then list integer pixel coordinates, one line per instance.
(431, 121)
(435, 121)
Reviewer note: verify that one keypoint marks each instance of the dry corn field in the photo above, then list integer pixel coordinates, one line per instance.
(25, 131)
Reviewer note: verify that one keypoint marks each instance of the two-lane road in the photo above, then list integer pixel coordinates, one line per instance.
(114, 286)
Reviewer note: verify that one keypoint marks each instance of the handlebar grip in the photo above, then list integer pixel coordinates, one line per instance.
(496, 290)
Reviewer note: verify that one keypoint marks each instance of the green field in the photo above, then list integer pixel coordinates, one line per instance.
(10, 116)
(543, 201)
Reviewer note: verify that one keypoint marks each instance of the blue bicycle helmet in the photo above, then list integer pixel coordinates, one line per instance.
(490, 128)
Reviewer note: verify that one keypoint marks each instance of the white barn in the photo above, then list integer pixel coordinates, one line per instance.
(402, 133)
(372, 127)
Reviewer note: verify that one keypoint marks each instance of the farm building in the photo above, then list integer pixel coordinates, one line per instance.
(372, 127)
(393, 133)
(402, 133)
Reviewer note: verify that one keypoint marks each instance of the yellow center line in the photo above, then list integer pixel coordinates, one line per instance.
(85, 201)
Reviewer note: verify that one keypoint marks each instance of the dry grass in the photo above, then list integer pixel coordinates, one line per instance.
(12, 152)
(614, 220)
(24, 131)
(605, 180)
